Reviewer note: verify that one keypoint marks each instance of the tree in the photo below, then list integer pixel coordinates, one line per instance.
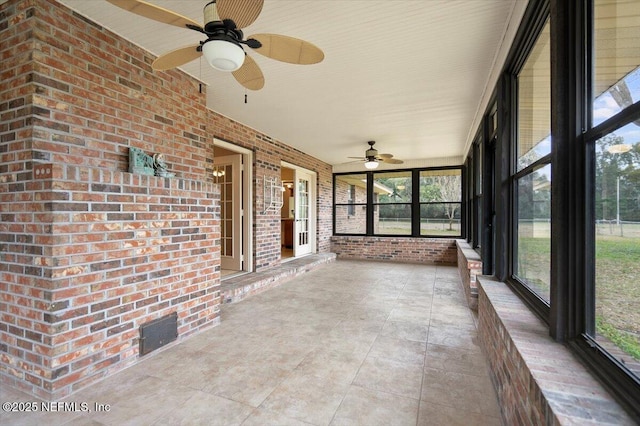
(611, 168)
(450, 189)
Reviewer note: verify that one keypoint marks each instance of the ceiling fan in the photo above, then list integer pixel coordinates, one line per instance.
(223, 20)
(372, 158)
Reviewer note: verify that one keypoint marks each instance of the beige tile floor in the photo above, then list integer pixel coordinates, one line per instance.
(350, 343)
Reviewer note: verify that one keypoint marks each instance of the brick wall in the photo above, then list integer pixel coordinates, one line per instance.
(538, 381)
(411, 250)
(469, 267)
(268, 155)
(88, 251)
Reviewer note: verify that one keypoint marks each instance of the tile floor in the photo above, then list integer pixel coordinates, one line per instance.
(350, 343)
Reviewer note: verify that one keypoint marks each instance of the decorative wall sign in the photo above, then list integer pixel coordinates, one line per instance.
(140, 163)
(144, 164)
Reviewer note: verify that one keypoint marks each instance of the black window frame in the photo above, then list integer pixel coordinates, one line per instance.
(371, 204)
(488, 217)
(480, 169)
(570, 312)
(536, 17)
(580, 241)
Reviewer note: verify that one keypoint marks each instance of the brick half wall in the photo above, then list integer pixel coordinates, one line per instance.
(439, 251)
(538, 381)
(469, 267)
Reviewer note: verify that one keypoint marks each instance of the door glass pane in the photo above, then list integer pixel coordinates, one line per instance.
(533, 262)
(534, 103)
(223, 175)
(302, 219)
(617, 57)
(617, 262)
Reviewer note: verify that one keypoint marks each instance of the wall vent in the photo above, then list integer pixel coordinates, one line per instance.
(157, 333)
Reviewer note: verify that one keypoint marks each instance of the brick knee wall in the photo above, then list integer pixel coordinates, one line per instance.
(411, 250)
(538, 381)
(469, 267)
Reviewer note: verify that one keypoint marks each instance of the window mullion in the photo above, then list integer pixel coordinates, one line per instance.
(415, 203)
(370, 205)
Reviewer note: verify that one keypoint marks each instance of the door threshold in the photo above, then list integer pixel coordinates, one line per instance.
(289, 259)
(232, 275)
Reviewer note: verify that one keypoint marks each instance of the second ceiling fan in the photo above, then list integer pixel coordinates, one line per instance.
(372, 158)
(223, 20)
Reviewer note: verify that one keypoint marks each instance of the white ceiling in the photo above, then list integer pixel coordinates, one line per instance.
(413, 75)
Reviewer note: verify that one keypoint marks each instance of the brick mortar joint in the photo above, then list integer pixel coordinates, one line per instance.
(61, 172)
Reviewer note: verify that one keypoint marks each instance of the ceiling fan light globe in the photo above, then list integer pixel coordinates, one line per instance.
(371, 164)
(223, 55)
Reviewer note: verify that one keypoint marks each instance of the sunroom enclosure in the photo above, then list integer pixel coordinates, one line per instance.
(552, 189)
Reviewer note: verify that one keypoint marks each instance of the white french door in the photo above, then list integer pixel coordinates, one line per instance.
(304, 231)
(227, 172)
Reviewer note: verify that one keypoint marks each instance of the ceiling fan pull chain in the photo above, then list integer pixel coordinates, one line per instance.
(200, 77)
(245, 96)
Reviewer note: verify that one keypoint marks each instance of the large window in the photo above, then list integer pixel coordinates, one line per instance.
(616, 323)
(440, 197)
(532, 172)
(414, 202)
(392, 202)
(568, 108)
(613, 141)
(350, 204)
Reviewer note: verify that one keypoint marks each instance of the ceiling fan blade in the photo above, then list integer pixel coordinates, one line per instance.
(363, 159)
(176, 57)
(385, 155)
(243, 12)
(391, 161)
(249, 74)
(156, 13)
(288, 49)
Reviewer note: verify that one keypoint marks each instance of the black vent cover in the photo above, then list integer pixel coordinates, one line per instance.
(157, 333)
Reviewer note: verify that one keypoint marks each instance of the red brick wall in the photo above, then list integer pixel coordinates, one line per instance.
(268, 154)
(411, 250)
(538, 381)
(88, 251)
(469, 267)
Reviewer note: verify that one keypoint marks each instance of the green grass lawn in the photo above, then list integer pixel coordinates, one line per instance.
(618, 292)
(617, 285)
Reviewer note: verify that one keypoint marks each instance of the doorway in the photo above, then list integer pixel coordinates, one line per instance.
(298, 214)
(287, 214)
(230, 173)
